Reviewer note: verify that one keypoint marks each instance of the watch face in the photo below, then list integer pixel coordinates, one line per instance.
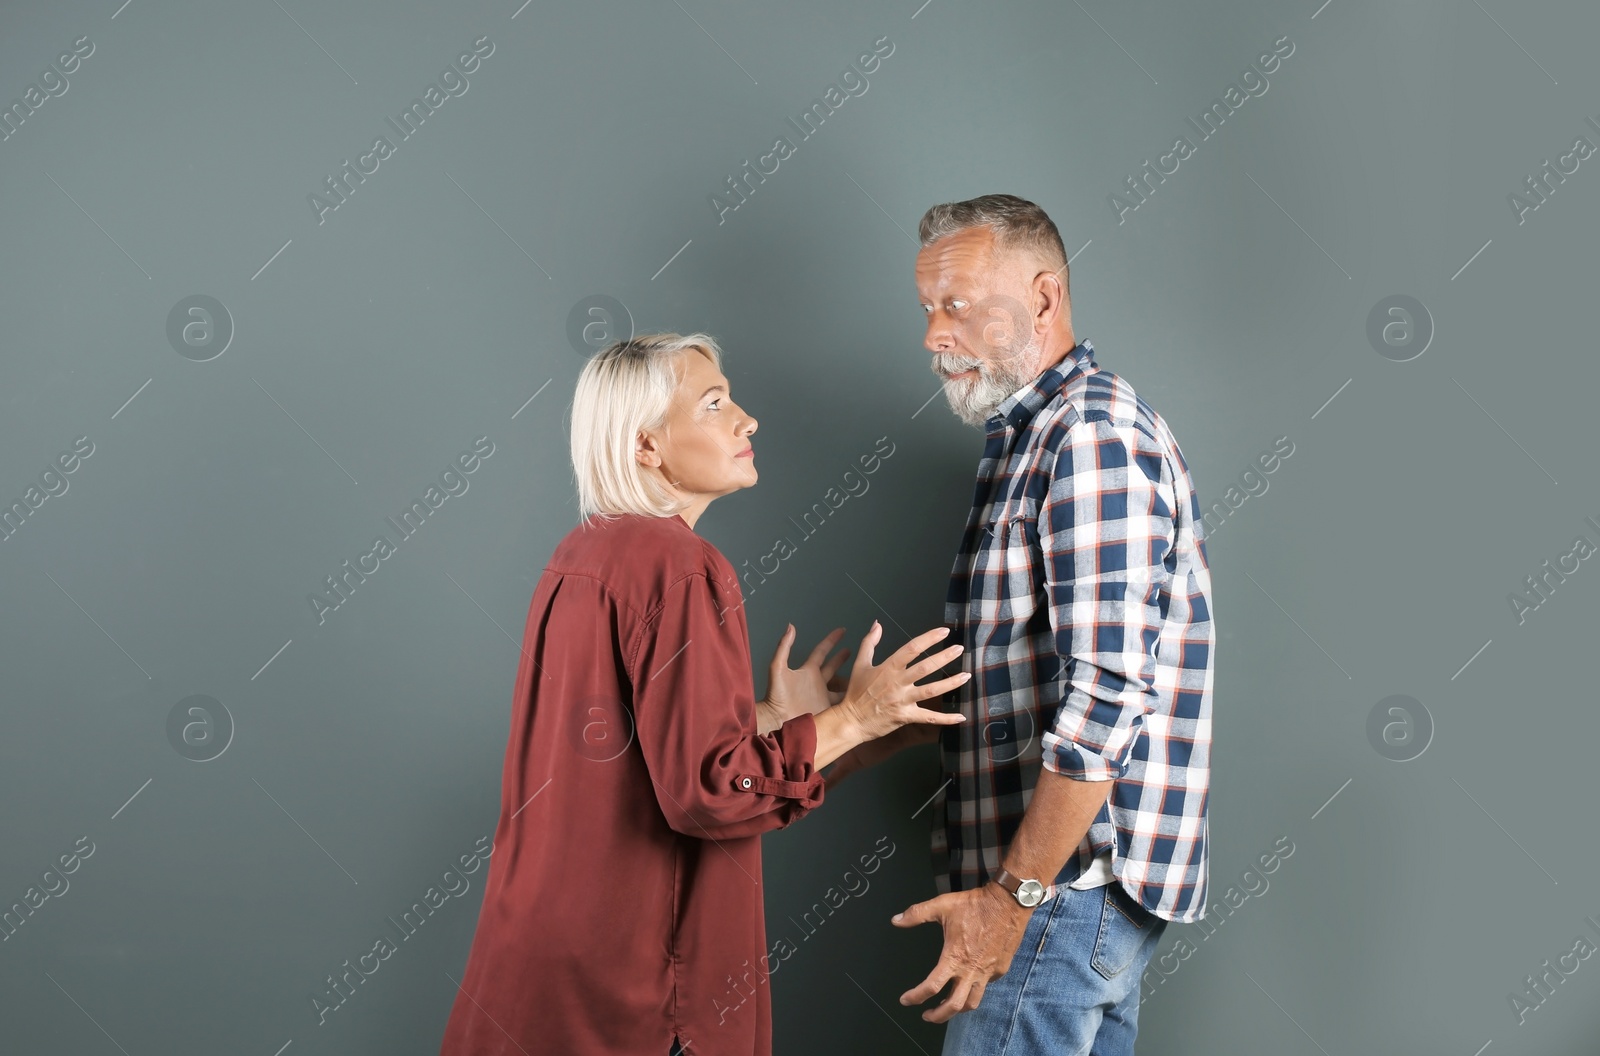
(1030, 893)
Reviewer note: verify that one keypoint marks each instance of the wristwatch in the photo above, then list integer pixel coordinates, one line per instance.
(1028, 893)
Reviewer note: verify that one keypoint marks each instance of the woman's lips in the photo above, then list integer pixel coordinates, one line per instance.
(749, 452)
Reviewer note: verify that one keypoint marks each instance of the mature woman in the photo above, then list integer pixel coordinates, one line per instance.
(625, 885)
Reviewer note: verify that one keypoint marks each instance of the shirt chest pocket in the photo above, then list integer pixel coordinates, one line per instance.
(1008, 571)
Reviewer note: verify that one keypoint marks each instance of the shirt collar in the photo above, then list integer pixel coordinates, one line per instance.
(1016, 410)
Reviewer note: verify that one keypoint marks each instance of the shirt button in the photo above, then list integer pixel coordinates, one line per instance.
(745, 783)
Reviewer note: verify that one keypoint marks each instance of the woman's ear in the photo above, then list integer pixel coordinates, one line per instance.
(646, 451)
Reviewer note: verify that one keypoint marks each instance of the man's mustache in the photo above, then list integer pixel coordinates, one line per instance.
(947, 363)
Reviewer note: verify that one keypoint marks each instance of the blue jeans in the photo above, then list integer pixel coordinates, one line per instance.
(1073, 985)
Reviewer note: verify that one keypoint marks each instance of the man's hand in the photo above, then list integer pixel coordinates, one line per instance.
(982, 929)
(807, 689)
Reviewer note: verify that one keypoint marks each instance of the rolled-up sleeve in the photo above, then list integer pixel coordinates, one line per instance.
(715, 777)
(1105, 532)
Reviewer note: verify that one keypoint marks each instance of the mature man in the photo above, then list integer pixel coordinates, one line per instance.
(1074, 815)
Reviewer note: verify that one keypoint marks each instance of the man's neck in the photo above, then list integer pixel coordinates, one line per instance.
(1056, 347)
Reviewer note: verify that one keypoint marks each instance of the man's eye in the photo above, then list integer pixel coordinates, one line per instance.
(958, 304)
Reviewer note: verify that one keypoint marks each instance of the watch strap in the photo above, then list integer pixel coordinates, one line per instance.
(1007, 881)
(1027, 892)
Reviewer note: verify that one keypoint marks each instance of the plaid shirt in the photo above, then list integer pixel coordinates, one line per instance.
(1083, 596)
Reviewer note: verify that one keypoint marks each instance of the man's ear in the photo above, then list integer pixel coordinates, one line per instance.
(646, 451)
(1050, 298)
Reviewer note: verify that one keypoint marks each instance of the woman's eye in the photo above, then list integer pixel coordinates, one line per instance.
(712, 406)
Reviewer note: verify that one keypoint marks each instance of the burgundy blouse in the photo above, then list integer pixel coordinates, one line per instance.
(624, 900)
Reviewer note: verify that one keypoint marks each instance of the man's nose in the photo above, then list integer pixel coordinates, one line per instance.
(939, 337)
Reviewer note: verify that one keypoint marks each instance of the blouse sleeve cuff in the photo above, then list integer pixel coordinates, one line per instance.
(801, 780)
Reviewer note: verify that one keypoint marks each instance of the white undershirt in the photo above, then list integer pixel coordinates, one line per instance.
(1098, 873)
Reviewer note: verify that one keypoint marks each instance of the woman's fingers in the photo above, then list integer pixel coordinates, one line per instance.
(908, 652)
(922, 668)
(888, 692)
(869, 642)
(786, 642)
(823, 647)
(831, 668)
(929, 690)
(935, 718)
(910, 692)
(780, 655)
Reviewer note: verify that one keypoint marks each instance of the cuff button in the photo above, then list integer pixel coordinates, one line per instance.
(745, 783)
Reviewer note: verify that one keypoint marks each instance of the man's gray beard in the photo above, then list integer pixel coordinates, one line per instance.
(974, 402)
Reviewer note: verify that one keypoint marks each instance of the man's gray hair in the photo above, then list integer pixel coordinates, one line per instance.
(1016, 222)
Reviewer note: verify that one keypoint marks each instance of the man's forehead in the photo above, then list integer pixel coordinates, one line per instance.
(964, 256)
(970, 243)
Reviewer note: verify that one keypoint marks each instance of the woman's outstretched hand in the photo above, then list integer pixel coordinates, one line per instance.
(881, 698)
(807, 689)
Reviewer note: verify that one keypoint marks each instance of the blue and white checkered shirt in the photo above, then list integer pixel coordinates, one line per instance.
(1083, 596)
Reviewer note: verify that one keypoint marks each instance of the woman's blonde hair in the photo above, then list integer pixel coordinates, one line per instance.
(624, 388)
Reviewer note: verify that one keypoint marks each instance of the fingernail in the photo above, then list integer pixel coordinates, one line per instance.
(896, 917)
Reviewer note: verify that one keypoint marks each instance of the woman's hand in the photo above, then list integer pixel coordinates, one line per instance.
(882, 698)
(807, 689)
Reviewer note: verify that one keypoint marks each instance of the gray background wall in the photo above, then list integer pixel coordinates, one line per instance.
(367, 351)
